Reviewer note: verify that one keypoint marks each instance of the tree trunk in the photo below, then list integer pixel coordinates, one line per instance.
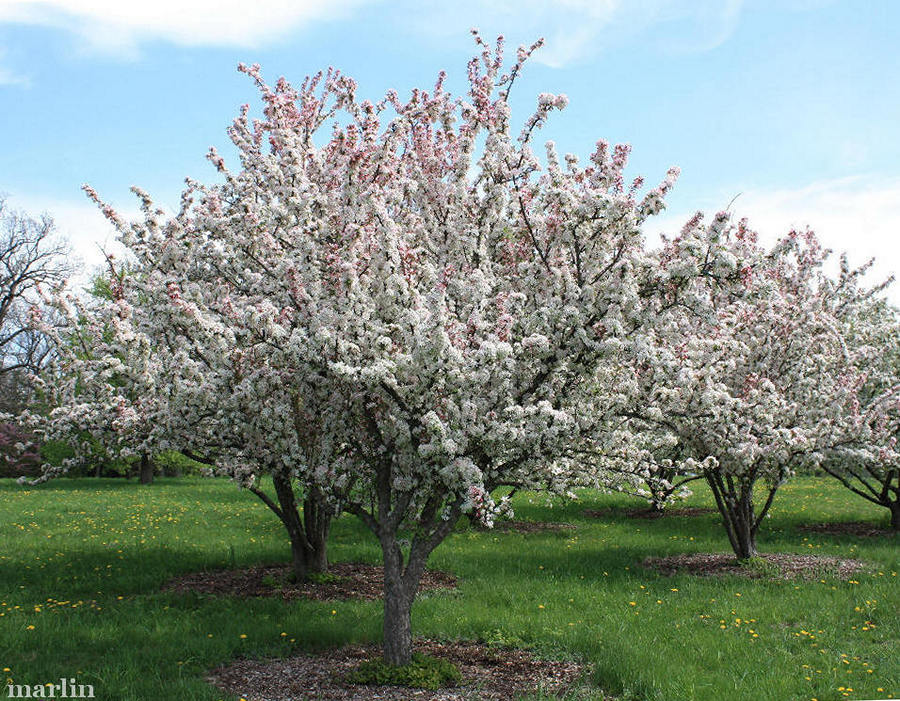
(735, 504)
(299, 565)
(895, 515)
(317, 522)
(308, 533)
(746, 544)
(398, 598)
(146, 469)
(401, 584)
(290, 517)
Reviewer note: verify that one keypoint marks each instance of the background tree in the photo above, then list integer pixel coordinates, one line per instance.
(867, 461)
(764, 386)
(31, 257)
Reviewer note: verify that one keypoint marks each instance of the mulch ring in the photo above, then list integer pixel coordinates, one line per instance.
(532, 526)
(775, 566)
(854, 528)
(345, 580)
(488, 673)
(649, 513)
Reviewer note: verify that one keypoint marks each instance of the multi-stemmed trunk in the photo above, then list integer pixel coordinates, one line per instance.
(307, 531)
(432, 522)
(734, 499)
(895, 514)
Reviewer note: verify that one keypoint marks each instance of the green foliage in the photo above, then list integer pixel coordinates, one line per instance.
(271, 582)
(54, 452)
(174, 464)
(422, 673)
(325, 578)
(499, 638)
(760, 566)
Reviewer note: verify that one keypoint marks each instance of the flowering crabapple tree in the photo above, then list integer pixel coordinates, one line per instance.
(102, 400)
(405, 311)
(121, 388)
(763, 386)
(867, 462)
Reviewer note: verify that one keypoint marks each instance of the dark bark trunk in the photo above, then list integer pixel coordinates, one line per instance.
(308, 533)
(290, 517)
(895, 515)
(146, 469)
(746, 545)
(399, 594)
(317, 521)
(735, 504)
(299, 565)
(746, 533)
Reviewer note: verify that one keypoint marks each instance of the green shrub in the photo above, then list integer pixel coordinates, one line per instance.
(272, 582)
(422, 673)
(762, 566)
(325, 578)
(175, 464)
(55, 451)
(499, 638)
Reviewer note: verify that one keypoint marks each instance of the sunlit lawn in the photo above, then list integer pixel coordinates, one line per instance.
(82, 562)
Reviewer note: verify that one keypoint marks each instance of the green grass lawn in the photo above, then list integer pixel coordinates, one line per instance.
(82, 561)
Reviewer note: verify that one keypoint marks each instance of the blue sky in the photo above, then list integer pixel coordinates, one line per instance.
(793, 105)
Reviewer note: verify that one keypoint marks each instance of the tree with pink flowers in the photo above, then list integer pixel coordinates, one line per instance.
(764, 385)
(396, 307)
(867, 461)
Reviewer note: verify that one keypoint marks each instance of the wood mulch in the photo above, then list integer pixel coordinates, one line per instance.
(345, 580)
(488, 673)
(854, 528)
(783, 565)
(649, 513)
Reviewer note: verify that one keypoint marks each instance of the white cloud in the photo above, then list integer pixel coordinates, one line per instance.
(858, 215)
(8, 77)
(576, 30)
(119, 26)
